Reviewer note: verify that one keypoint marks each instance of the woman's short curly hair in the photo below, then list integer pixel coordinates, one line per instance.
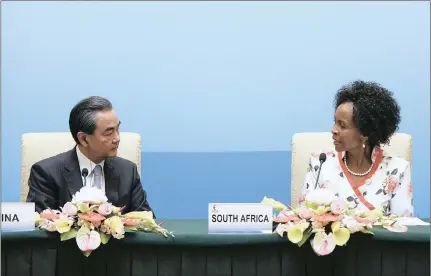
(375, 111)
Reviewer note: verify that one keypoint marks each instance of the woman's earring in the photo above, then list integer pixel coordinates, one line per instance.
(363, 145)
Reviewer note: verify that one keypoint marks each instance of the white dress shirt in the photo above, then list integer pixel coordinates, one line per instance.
(84, 162)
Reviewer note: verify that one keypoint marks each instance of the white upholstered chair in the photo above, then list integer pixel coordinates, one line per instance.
(38, 146)
(303, 144)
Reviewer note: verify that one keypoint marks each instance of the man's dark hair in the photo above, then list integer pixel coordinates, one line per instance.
(83, 115)
(375, 112)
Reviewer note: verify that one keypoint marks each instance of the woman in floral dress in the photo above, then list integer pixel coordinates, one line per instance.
(358, 170)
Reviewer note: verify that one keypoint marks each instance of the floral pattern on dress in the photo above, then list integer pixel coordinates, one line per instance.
(389, 187)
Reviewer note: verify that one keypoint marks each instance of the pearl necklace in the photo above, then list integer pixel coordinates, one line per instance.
(356, 174)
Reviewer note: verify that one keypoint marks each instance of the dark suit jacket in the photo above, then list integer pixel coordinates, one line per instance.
(54, 180)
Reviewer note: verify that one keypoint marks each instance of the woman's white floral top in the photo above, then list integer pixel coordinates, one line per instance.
(388, 184)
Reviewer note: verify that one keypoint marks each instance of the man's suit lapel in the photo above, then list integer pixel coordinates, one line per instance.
(72, 173)
(112, 181)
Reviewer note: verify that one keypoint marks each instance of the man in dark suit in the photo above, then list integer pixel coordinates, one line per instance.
(93, 162)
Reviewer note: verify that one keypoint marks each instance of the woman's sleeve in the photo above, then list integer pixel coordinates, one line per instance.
(402, 197)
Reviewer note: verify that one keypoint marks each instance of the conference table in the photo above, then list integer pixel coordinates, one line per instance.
(195, 252)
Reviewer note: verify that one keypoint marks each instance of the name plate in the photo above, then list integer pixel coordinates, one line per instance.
(17, 216)
(239, 218)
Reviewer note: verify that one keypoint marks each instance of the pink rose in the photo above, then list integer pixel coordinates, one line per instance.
(105, 209)
(323, 244)
(305, 213)
(338, 206)
(391, 182)
(69, 209)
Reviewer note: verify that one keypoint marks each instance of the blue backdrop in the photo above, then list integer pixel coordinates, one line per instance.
(216, 89)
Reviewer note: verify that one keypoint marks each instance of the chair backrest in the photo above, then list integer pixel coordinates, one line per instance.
(38, 146)
(303, 144)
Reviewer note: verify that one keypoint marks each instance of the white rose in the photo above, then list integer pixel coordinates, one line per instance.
(90, 195)
(321, 196)
(352, 224)
(105, 209)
